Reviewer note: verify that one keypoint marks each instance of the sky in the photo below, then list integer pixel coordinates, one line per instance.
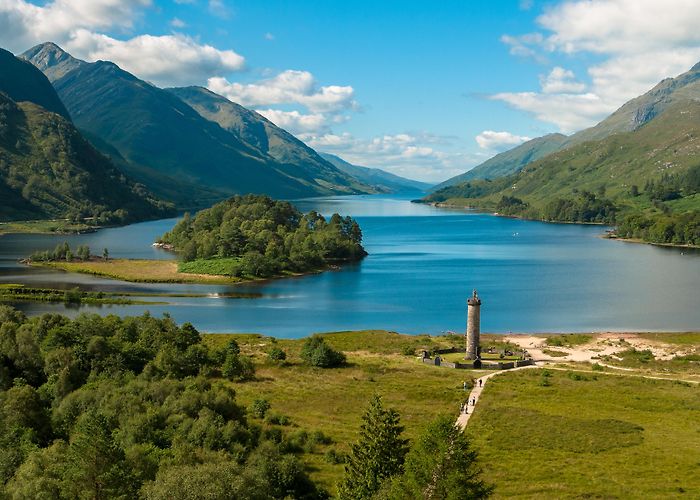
(423, 89)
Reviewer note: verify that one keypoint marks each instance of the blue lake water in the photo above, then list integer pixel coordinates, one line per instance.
(423, 263)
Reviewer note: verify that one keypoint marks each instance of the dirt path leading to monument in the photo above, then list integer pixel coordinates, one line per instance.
(476, 392)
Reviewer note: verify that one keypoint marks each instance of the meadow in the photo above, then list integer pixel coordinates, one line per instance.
(581, 433)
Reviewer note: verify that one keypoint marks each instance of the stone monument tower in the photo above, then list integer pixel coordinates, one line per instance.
(473, 326)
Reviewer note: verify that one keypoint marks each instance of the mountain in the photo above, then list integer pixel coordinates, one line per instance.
(510, 161)
(293, 156)
(647, 180)
(640, 110)
(53, 61)
(380, 179)
(165, 142)
(20, 81)
(47, 169)
(630, 116)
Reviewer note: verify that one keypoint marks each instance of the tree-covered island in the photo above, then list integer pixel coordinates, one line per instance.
(256, 236)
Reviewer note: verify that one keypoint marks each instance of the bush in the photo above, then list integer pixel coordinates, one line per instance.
(316, 352)
(276, 354)
(238, 367)
(334, 457)
(408, 351)
(259, 407)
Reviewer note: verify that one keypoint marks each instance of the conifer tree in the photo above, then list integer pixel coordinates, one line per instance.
(378, 455)
(441, 465)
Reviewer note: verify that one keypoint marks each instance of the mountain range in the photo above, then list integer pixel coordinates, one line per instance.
(380, 179)
(630, 116)
(47, 168)
(639, 168)
(162, 140)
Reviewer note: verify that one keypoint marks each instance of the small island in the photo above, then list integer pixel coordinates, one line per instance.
(241, 239)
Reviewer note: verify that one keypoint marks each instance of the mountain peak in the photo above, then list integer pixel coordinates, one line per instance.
(51, 59)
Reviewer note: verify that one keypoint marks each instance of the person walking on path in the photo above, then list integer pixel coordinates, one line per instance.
(464, 385)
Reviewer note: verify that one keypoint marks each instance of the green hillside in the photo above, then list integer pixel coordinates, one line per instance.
(294, 157)
(21, 81)
(166, 143)
(47, 169)
(376, 177)
(511, 161)
(630, 116)
(650, 173)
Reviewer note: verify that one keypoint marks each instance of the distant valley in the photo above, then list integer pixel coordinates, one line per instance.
(160, 150)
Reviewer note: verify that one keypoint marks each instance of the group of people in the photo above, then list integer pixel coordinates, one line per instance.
(464, 407)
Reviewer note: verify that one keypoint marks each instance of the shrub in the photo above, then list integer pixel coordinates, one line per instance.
(334, 457)
(238, 367)
(260, 407)
(276, 354)
(316, 352)
(408, 351)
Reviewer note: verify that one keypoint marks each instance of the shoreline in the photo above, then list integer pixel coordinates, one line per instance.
(158, 271)
(603, 236)
(642, 242)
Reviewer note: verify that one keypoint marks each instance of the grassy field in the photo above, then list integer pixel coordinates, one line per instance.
(588, 436)
(577, 435)
(332, 400)
(137, 270)
(56, 226)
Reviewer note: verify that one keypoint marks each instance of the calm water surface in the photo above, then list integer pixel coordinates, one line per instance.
(423, 263)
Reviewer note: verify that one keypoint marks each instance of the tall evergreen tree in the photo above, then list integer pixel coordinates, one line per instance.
(441, 466)
(378, 455)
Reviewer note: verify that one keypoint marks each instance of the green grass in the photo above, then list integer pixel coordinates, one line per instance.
(55, 226)
(222, 266)
(137, 270)
(568, 340)
(645, 361)
(554, 353)
(333, 400)
(588, 436)
(683, 338)
(581, 434)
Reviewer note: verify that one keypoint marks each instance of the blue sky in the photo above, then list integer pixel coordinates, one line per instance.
(423, 89)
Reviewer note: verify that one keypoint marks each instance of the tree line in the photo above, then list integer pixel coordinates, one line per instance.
(265, 236)
(63, 251)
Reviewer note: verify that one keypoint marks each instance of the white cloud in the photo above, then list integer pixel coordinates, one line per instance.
(269, 36)
(288, 87)
(177, 23)
(416, 156)
(164, 60)
(23, 24)
(560, 81)
(641, 42)
(296, 122)
(499, 141)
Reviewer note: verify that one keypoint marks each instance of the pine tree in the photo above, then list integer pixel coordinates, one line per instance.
(378, 455)
(441, 465)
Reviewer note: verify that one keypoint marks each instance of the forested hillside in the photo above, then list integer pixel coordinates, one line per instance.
(130, 408)
(650, 174)
(164, 143)
(47, 169)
